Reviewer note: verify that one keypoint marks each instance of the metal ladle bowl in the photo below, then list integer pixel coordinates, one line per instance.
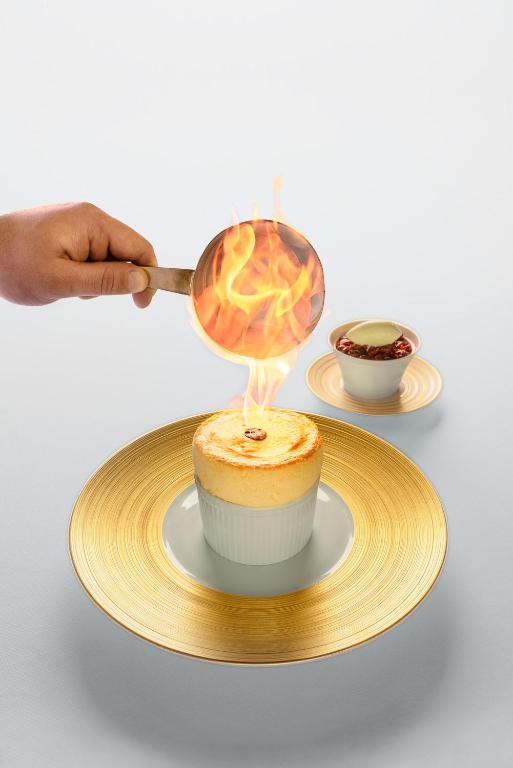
(195, 282)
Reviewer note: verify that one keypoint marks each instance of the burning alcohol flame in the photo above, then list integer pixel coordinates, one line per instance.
(263, 292)
(264, 380)
(258, 295)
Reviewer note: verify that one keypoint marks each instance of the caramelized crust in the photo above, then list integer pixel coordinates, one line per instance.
(258, 473)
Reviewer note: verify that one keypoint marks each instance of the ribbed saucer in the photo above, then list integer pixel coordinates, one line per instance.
(119, 553)
(420, 385)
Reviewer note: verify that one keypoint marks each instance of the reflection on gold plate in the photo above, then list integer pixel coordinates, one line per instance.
(420, 385)
(119, 554)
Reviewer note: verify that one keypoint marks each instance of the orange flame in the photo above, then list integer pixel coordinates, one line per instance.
(278, 213)
(264, 292)
(264, 380)
(261, 298)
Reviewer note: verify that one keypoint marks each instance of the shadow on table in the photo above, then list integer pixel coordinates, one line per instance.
(193, 712)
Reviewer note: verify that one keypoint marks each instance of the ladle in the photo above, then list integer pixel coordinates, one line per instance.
(195, 282)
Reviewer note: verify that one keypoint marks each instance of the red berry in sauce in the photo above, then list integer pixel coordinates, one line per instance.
(400, 348)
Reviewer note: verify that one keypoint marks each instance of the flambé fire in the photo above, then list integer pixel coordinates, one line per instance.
(261, 299)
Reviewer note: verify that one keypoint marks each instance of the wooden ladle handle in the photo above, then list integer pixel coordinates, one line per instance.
(170, 279)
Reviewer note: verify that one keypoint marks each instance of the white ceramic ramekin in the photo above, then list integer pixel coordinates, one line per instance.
(372, 379)
(256, 536)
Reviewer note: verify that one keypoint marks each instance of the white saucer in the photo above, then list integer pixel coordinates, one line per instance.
(330, 544)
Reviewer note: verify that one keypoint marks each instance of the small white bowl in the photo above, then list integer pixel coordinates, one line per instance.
(256, 536)
(372, 379)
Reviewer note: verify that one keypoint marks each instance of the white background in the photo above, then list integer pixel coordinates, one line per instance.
(391, 124)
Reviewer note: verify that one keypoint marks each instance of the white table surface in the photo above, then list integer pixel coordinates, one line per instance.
(391, 124)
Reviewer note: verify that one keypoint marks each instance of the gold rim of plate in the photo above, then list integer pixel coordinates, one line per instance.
(117, 549)
(421, 384)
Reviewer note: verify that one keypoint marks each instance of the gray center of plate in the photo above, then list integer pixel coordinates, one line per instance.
(330, 544)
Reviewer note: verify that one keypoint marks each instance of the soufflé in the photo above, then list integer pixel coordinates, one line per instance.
(257, 483)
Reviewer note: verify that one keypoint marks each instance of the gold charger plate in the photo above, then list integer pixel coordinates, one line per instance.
(420, 385)
(118, 552)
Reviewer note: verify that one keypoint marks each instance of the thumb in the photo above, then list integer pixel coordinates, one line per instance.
(102, 278)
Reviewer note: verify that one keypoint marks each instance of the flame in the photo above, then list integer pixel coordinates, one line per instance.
(265, 377)
(264, 380)
(262, 298)
(278, 213)
(261, 295)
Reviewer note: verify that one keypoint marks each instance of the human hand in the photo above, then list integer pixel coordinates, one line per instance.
(74, 249)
